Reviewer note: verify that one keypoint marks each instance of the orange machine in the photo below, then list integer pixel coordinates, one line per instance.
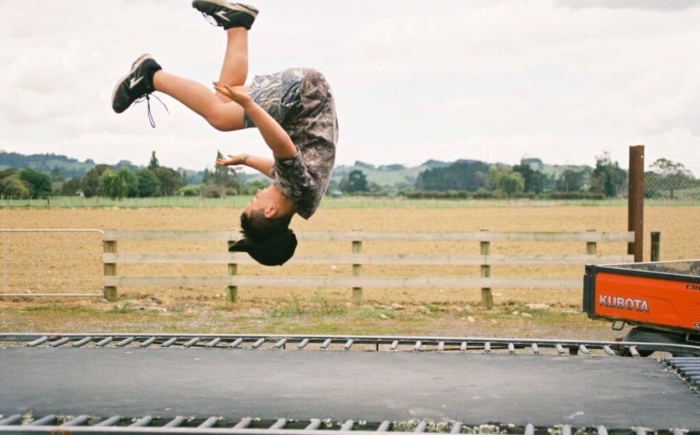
(656, 296)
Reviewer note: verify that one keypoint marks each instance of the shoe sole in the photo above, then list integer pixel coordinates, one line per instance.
(233, 6)
(134, 66)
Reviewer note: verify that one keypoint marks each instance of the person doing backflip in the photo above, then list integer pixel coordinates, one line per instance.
(293, 110)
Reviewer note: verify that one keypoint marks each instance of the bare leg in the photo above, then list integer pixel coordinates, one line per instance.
(234, 71)
(201, 100)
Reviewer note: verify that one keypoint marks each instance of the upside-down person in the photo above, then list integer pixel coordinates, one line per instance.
(293, 110)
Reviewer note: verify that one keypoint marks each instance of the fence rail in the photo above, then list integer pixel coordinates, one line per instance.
(233, 280)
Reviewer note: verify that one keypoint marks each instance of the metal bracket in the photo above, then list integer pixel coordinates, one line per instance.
(618, 328)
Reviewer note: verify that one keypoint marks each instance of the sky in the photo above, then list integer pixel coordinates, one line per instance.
(499, 80)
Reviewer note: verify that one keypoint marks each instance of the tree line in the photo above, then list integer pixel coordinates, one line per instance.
(460, 179)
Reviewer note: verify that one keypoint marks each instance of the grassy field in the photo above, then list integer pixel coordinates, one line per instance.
(444, 312)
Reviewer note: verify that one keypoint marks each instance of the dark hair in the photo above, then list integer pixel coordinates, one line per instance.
(257, 228)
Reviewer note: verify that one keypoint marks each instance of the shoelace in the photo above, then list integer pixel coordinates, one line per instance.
(148, 107)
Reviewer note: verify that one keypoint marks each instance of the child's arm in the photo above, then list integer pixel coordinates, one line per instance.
(273, 134)
(259, 163)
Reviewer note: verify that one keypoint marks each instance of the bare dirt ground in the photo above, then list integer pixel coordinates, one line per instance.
(442, 312)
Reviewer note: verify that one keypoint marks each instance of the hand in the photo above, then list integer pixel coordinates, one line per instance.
(237, 94)
(233, 159)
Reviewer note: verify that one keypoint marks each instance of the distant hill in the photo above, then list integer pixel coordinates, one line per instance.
(60, 165)
(395, 175)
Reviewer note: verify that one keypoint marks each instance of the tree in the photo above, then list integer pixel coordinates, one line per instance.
(72, 187)
(91, 182)
(13, 187)
(465, 175)
(153, 164)
(571, 180)
(119, 184)
(148, 183)
(671, 176)
(504, 179)
(607, 177)
(355, 181)
(39, 184)
(169, 179)
(533, 180)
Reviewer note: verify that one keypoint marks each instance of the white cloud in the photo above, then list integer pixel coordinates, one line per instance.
(558, 79)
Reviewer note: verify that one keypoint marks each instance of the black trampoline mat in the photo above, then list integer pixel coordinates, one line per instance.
(543, 390)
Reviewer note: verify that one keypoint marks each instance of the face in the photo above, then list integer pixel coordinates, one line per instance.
(261, 201)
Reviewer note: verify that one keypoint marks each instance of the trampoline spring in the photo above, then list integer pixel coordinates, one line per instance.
(303, 343)
(456, 427)
(535, 348)
(82, 341)
(141, 422)
(77, 421)
(38, 341)
(125, 341)
(279, 424)
(244, 423)
(59, 342)
(209, 422)
(235, 343)
(421, 426)
(169, 342)
(560, 350)
(394, 345)
(314, 424)
(148, 342)
(280, 344)
(258, 343)
(347, 425)
(441, 346)
(582, 348)
(511, 348)
(463, 347)
(175, 422)
(487, 347)
(348, 344)
(384, 427)
(10, 420)
(529, 429)
(43, 420)
(325, 344)
(418, 345)
(602, 430)
(633, 351)
(191, 342)
(608, 351)
(214, 342)
(111, 421)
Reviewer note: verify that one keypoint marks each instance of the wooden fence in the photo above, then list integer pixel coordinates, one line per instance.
(233, 280)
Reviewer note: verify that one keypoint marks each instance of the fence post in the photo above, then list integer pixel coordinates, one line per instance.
(655, 246)
(635, 200)
(486, 295)
(356, 270)
(591, 247)
(232, 290)
(110, 269)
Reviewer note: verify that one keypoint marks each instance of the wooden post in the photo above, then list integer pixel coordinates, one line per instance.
(591, 247)
(356, 271)
(486, 295)
(655, 246)
(110, 269)
(635, 202)
(232, 290)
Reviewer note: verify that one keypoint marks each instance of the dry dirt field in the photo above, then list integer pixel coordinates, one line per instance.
(443, 312)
